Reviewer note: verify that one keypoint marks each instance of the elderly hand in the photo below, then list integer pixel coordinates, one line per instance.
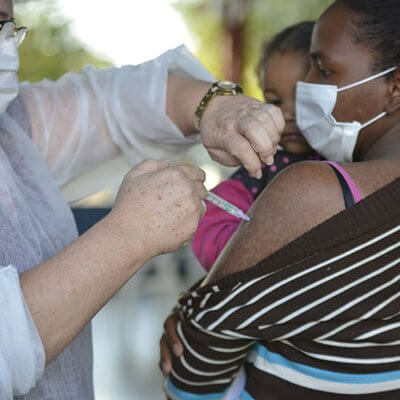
(241, 130)
(158, 207)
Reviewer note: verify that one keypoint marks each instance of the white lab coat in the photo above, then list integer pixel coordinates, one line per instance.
(62, 134)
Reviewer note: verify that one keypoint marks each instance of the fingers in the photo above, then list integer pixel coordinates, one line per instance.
(240, 147)
(272, 121)
(200, 190)
(255, 131)
(259, 125)
(197, 177)
(203, 208)
(223, 157)
(262, 125)
(276, 114)
(170, 343)
(165, 357)
(193, 179)
(192, 172)
(148, 166)
(171, 336)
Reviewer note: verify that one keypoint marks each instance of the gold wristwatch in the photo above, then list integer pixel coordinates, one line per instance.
(219, 88)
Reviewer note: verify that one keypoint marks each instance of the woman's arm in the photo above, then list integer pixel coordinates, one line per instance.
(65, 292)
(85, 119)
(278, 216)
(300, 198)
(211, 237)
(299, 292)
(145, 111)
(216, 227)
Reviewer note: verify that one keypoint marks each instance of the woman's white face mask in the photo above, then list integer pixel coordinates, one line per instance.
(10, 38)
(314, 106)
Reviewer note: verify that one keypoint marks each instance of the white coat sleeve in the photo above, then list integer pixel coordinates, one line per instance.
(22, 357)
(86, 119)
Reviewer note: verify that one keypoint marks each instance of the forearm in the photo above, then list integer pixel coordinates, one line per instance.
(183, 96)
(117, 111)
(66, 291)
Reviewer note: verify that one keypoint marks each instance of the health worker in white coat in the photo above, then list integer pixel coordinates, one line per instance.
(51, 133)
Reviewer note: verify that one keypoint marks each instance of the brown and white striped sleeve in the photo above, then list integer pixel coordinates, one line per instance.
(339, 282)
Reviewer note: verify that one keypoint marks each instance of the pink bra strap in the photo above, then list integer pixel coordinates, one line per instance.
(352, 186)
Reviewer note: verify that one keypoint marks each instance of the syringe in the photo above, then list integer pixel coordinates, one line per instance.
(226, 206)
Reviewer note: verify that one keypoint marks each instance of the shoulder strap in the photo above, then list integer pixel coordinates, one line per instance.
(350, 190)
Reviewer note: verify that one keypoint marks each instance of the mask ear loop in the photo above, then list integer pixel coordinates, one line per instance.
(366, 80)
(370, 122)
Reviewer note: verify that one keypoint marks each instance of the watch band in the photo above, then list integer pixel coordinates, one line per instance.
(219, 88)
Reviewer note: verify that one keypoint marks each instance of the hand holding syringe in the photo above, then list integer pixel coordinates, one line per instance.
(226, 206)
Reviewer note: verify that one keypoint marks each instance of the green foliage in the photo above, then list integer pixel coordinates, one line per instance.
(264, 18)
(49, 50)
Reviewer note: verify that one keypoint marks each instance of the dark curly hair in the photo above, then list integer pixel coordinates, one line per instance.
(296, 38)
(377, 26)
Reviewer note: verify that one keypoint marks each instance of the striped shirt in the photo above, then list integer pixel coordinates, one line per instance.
(318, 319)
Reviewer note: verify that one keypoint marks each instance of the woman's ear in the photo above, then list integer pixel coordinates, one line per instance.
(394, 95)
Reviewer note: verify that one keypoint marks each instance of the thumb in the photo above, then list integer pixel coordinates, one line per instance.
(148, 167)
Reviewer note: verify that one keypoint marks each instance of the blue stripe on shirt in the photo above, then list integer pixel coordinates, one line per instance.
(325, 374)
(246, 396)
(180, 394)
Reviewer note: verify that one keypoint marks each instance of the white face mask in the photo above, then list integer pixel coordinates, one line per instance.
(314, 106)
(9, 64)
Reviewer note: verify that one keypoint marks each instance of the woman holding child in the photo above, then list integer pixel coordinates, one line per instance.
(305, 297)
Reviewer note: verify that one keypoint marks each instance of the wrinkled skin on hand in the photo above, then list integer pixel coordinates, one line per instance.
(241, 130)
(159, 206)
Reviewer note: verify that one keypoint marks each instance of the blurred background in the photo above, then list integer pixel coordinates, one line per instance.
(226, 35)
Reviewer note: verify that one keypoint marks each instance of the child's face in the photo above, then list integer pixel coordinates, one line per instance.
(281, 73)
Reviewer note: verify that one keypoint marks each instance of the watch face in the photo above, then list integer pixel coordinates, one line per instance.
(227, 85)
